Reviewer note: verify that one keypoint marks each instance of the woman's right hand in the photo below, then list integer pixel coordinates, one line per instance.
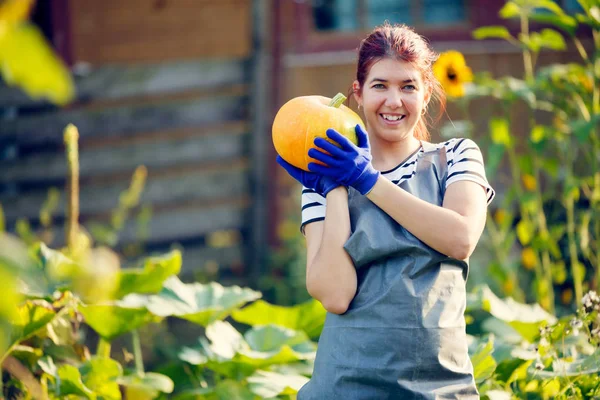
(317, 182)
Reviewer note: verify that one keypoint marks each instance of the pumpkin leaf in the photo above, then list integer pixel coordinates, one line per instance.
(524, 318)
(151, 277)
(110, 321)
(23, 49)
(195, 302)
(308, 317)
(235, 355)
(484, 364)
(271, 384)
(149, 385)
(100, 375)
(70, 382)
(30, 317)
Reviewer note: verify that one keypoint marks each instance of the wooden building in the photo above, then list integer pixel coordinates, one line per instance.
(189, 89)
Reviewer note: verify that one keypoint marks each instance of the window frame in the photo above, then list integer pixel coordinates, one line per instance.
(309, 40)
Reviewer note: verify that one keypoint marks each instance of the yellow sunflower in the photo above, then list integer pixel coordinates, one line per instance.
(452, 72)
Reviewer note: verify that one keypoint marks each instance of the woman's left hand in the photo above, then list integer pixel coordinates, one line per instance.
(350, 165)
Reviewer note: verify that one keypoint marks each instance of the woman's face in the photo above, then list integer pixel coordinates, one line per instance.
(392, 99)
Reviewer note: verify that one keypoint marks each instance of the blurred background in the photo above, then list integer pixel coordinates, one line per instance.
(189, 89)
(172, 102)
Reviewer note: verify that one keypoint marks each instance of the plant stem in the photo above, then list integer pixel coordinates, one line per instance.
(337, 100)
(71, 137)
(2, 226)
(137, 352)
(527, 60)
(581, 49)
(543, 227)
(575, 269)
(501, 256)
(103, 349)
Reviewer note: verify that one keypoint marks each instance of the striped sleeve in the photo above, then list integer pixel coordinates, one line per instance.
(465, 162)
(313, 207)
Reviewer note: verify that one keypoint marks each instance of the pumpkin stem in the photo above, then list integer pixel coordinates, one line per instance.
(337, 100)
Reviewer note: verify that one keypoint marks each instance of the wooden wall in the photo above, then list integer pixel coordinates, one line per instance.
(165, 84)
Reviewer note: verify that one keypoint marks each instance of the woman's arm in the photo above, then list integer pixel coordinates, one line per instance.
(330, 273)
(453, 229)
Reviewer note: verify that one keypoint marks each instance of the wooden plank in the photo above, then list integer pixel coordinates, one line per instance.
(150, 30)
(45, 130)
(46, 169)
(186, 222)
(261, 147)
(162, 188)
(122, 81)
(198, 258)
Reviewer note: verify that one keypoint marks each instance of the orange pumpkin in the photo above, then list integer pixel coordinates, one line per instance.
(299, 121)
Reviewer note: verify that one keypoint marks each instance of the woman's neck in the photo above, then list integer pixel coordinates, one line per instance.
(388, 155)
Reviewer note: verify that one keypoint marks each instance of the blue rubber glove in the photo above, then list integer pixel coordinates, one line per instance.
(350, 165)
(320, 184)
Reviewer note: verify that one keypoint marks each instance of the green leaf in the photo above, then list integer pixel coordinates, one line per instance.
(70, 382)
(233, 355)
(563, 21)
(232, 390)
(513, 89)
(487, 32)
(149, 385)
(27, 353)
(30, 317)
(271, 384)
(29, 62)
(100, 375)
(547, 38)
(110, 321)
(510, 10)
(526, 163)
(549, 5)
(551, 166)
(150, 278)
(58, 266)
(497, 395)
(308, 317)
(512, 369)
(583, 129)
(494, 158)
(198, 303)
(500, 131)
(525, 319)
(484, 364)
(525, 232)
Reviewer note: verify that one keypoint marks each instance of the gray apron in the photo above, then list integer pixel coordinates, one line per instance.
(403, 336)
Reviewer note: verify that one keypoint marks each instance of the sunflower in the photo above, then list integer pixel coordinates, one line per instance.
(452, 72)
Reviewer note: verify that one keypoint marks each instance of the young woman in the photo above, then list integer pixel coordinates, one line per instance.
(390, 224)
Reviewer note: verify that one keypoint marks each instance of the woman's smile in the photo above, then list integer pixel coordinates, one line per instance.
(392, 119)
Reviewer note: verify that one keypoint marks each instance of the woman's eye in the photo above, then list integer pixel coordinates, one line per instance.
(379, 86)
(410, 87)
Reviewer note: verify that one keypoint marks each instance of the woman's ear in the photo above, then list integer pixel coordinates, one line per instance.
(357, 92)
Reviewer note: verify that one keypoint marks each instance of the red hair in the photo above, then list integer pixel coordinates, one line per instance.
(400, 42)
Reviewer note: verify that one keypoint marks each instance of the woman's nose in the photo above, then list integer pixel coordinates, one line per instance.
(394, 99)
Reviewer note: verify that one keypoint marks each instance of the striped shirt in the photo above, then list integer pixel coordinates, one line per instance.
(465, 163)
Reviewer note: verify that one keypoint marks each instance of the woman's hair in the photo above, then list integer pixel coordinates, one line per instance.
(400, 42)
